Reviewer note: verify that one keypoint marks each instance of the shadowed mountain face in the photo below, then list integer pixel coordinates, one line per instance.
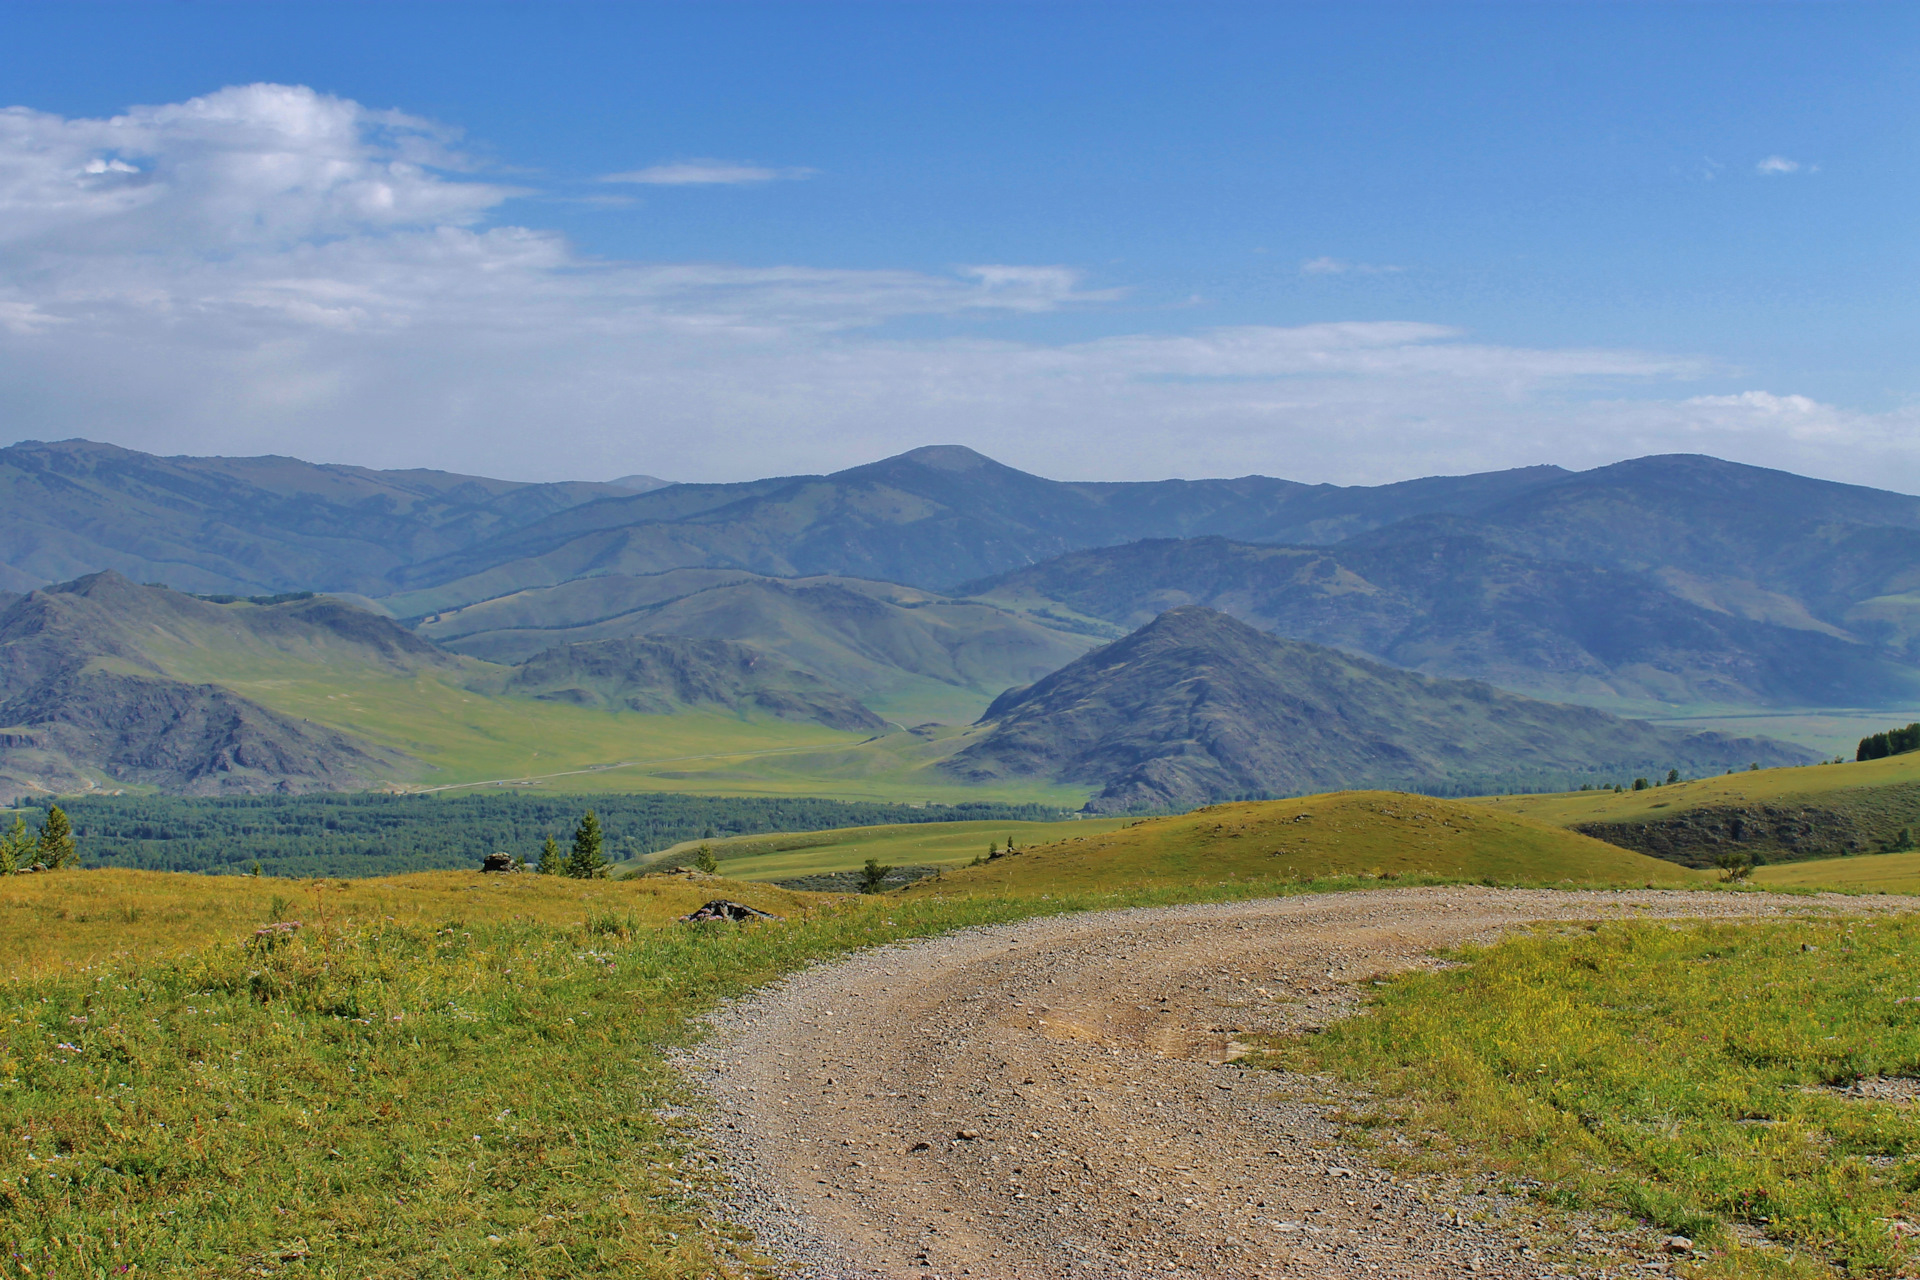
(249, 526)
(89, 698)
(1197, 707)
(904, 652)
(664, 674)
(1450, 602)
(929, 518)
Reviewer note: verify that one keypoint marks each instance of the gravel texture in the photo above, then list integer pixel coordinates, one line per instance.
(1055, 1098)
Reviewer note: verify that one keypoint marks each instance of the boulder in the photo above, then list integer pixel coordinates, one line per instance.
(720, 909)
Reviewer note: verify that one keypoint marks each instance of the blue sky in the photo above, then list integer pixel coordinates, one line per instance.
(1352, 242)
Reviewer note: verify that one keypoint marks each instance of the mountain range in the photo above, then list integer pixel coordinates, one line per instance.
(912, 591)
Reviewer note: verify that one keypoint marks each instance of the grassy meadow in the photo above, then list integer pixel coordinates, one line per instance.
(1685, 1074)
(1869, 873)
(461, 735)
(437, 1078)
(455, 1075)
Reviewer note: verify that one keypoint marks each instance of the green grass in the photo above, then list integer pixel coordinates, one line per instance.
(925, 844)
(1376, 834)
(1871, 873)
(1678, 1073)
(473, 1096)
(464, 736)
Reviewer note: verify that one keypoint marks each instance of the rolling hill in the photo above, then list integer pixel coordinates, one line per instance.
(1381, 834)
(1772, 815)
(908, 654)
(107, 684)
(660, 675)
(1197, 707)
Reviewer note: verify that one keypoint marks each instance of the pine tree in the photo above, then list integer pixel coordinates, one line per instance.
(14, 846)
(705, 861)
(57, 847)
(586, 862)
(550, 864)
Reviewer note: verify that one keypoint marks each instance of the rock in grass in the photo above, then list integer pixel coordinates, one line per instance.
(720, 909)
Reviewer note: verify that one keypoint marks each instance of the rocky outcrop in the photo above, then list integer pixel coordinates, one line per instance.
(1782, 832)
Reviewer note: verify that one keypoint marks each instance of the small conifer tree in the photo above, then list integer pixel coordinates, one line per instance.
(15, 847)
(587, 861)
(873, 876)
(550, 861)
(57, 846)
(705, 861)
(1673, 776)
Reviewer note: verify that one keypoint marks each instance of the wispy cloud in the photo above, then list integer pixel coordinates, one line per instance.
(1324, 266)
(270, 270)
(1779, 166)
(707, 173)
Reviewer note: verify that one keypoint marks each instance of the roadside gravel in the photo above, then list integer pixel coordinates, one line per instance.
(1055, 1098)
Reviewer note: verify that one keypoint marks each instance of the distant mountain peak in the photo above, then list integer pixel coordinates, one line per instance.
(641, 483)
(946, 457)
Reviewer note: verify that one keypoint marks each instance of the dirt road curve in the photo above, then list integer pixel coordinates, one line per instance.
(1048, 1099)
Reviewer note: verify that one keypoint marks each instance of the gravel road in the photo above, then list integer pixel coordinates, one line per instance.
(1051, 1098)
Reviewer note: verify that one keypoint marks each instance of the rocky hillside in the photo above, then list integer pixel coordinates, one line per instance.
(96, 690)
(1197, 707)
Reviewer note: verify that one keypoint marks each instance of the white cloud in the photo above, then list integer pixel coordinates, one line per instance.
(1324, 266)
(1777, 166)
(706, 173)
(274, 270)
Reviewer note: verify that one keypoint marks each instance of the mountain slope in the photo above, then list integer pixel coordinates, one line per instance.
(1449, 602)
(1196, 707)
(1752, 542)
(88, 698)
(245, 525)
(908, 654)
(660, 675)
(928, 518)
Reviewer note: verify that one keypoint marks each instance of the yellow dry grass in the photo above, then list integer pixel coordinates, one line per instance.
(79, 917)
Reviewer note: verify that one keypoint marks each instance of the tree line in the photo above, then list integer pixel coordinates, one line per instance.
(1894, 742)
(371, 833)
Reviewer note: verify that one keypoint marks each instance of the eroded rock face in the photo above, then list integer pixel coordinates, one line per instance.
(500, 863)
(1774, 832)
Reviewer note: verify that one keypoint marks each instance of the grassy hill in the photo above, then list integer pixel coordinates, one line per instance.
(1818, 811)
(1869, 873)
(911, 655)
(1382, 834)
